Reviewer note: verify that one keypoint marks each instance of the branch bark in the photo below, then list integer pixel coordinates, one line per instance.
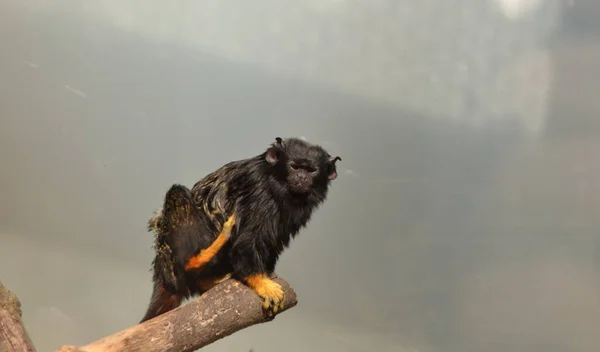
(228, 307)
(13, 336)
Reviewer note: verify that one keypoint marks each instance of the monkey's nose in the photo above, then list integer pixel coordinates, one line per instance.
(302, 177)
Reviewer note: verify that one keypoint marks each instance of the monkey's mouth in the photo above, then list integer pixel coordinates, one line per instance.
(299, 188)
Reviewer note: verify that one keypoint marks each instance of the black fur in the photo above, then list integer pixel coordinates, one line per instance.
(273, 196)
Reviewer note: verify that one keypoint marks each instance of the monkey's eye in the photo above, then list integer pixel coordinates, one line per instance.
(306, 168)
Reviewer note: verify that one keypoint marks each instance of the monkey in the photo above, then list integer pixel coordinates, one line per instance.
(236, 222)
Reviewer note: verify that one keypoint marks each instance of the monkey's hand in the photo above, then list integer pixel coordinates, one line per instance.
(227, 227)
(205, 255)
(270, 292)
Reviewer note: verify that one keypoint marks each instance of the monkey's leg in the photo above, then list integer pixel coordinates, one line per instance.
(161, 302)
(252, 262)
(176, 228)
(205, 255)
(270, 292)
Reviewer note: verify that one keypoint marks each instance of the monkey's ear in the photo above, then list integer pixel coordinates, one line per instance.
(332, 174)
(272, 156)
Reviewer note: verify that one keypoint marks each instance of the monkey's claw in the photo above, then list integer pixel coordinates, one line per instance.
(272, 305)
(270, 292)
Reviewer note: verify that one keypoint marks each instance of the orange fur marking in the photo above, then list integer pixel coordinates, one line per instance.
(270, 291)
(205, 255)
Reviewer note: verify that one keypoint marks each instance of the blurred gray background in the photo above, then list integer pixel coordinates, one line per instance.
(467, 212)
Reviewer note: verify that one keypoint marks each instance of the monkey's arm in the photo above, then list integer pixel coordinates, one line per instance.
(250, 257)
(205, 255)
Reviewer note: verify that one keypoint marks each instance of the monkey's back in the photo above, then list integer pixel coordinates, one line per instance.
(216, 196)
(213, 193)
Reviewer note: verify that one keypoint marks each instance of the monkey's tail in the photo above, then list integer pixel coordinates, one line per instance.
(161, 302)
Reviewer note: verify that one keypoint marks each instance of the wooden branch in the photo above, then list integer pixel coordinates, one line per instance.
(228, 307)
(13, 336)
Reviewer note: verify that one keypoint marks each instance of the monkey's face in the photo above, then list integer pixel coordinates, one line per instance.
(301, 166)
(300, 176)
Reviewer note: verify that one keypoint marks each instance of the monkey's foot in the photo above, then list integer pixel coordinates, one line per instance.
(271, 293)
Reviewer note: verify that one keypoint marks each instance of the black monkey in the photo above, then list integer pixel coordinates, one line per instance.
(236, 222)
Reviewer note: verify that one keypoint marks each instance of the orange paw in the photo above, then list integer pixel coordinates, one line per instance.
(271, 293)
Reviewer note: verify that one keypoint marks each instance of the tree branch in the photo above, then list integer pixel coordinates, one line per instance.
(228, 307)
(13, 336)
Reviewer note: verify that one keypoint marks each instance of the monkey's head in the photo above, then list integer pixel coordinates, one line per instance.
(300, 166)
